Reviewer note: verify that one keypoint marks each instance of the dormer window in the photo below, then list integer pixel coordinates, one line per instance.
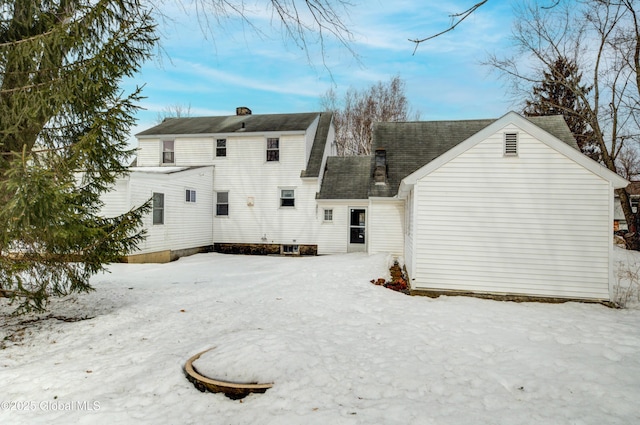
(511, 144)
(168, 152)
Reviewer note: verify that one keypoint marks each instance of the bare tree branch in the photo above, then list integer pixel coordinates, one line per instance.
(603, 37)
(457, 18)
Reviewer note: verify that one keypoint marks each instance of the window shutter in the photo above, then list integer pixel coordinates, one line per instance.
(511, 144)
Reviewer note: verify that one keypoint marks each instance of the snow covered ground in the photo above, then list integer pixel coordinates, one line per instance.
(339, 350)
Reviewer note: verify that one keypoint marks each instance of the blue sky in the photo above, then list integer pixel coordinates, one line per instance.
(239, 66)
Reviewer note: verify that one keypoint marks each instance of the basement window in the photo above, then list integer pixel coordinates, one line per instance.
(290, 249)
(511, 144)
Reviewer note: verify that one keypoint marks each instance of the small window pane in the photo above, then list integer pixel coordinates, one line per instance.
(328, 215)
(190, 195)
(357, 235)
(222, 209)
(168, 158)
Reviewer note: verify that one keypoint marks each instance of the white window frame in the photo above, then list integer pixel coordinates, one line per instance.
(272, 150)
(221, 148)
(327, 215)
(168, 152)
(282, 197)
(158, 207)
(190, 196)
(219, 204)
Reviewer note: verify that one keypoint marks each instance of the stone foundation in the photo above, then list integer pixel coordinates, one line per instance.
(261, 249)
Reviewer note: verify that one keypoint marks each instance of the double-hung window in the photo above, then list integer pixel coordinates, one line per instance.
(158, 208)
(168, 156)
(273, 149)
(287, 198)
(221, 148)
(328, 215)
(222, 203)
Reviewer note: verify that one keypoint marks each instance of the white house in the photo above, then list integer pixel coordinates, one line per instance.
(506, 206)
(242, 183)
(619, 220)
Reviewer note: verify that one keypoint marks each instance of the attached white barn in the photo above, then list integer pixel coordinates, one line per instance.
(508, 206)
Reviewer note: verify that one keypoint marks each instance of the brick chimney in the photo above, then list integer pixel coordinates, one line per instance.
(380, 171)
(243, 110)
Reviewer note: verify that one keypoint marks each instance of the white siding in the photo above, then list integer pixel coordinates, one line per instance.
(149, 152)
(333, 236)
(116, 201)
(535, 224)
(246, 174)
(386, 226)
(194, 151)
(186, 225)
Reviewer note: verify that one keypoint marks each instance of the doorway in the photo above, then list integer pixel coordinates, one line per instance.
(357, 230)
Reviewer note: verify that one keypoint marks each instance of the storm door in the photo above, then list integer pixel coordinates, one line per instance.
(357, 229)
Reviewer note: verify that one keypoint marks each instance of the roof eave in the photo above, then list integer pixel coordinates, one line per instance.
(219, 135)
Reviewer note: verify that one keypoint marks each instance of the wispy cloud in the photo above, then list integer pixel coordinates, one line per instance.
(236, 65)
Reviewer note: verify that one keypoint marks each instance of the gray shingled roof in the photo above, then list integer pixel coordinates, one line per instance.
(346, 177)
(319, 143)
(411, 145)
(232, 124)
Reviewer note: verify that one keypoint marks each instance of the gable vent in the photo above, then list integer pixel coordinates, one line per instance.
(511, 144)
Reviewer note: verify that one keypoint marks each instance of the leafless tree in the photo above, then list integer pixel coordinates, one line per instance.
(603, 38)
(308, 23)
(355, 115)
(628, 161)
(177, 110)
